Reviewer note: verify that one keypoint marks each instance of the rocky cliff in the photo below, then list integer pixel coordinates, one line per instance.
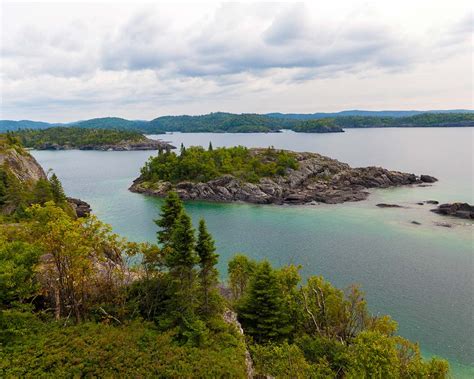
(21, 164)
(28, 171)
(317, 179)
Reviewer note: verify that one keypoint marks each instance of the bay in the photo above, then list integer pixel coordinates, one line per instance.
(422, 275)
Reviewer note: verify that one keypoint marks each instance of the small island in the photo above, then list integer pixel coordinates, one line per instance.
(262, 176)
(70, 138)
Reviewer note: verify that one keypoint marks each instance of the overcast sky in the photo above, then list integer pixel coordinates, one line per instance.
(69, 61)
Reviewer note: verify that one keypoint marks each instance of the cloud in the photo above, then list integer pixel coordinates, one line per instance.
(160, 58)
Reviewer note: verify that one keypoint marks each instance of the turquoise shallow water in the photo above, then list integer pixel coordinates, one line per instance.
(421, 275)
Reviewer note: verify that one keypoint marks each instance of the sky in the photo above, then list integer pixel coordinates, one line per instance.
(67, 61)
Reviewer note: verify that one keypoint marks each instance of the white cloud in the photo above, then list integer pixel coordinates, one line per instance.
(65, 62)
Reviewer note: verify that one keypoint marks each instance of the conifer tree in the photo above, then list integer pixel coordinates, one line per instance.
(262, 312)
(208, 274)
(181, 259)
(170, 211)
(210, 146)
(57, 189)
(42, 192)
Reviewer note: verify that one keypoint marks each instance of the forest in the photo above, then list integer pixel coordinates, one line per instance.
(222, 122)
(200, 165)
(75, 137)
(78, 300)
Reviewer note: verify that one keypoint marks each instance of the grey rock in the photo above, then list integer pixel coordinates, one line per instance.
(428, 179)
(460, 210)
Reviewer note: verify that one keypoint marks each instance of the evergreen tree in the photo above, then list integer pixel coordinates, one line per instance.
(210, 146)
(57, 189)
(208, 274)
(42, 192)
(180, 260)
(170, 211)
(262, 312)
(182, 150)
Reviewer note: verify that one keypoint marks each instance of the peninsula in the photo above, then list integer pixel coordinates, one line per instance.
(263, 176)
(71, 138)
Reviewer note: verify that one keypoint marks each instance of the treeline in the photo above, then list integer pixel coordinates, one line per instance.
(75, 137)
(420, 120)
(75, 299)
(221, 122)
(200, 165)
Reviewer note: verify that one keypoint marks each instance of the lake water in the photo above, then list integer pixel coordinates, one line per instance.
(421, 275)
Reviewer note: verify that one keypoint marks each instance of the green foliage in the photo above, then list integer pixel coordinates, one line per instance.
(219, 122)
(286, 361)
(420, 120)
(240, 269)
(200, 165)
(323, 125)
(75, 137)
(170, 211)
(208, 274)
(262, 312)
(57, 190)
(134, 349)
(18, 281)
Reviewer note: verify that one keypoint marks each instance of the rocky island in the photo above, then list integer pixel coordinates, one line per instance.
(263, 176)
(70, 138)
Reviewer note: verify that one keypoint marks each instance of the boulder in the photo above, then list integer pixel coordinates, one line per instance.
(428, 179)
(460, 210)
(81, 208)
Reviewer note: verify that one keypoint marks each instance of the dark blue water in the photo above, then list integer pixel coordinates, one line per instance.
(421, 275)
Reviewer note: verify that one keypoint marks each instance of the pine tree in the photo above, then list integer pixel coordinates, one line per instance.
(57, 189)
(208, 274)
(170, 211)
(262, 313)
(182, 150)
(180, 260)
(210, 146)
(42, 192)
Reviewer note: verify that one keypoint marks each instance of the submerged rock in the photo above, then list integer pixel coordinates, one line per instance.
(460, 210)
(317, 179)
(384, 205)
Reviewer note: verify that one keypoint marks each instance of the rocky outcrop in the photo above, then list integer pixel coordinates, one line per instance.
(143, 144)
(80, 207)
(231, 318)
(460, 210)
(317, 178)
(21, 164)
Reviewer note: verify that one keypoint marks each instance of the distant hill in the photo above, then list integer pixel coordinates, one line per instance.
(221, 122)
(9, 125)
(310, 116)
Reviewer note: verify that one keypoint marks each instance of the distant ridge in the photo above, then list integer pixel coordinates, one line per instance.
(222, 122)
(356, 112)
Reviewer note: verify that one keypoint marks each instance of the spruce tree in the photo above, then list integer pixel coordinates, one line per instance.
(180, 260)
(57, 189)
(42, 192)
(262, 312)
(208, 274)
(210, 146)
(170, 211)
